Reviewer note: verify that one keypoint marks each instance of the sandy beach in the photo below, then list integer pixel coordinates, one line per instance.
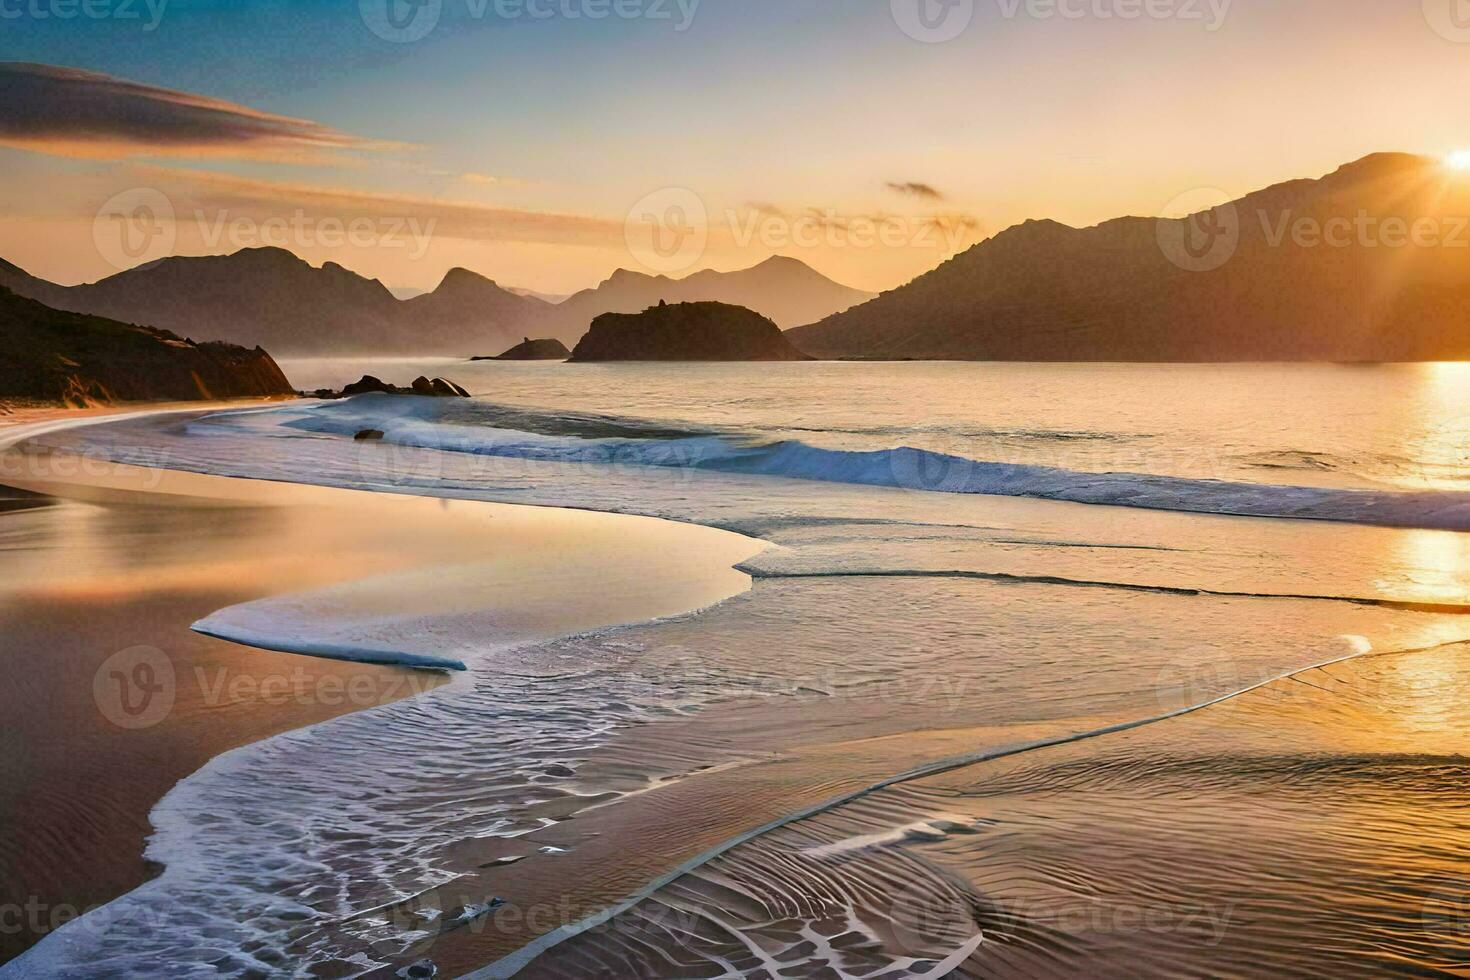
(113, 698)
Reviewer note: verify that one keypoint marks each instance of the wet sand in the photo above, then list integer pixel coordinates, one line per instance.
(111, 698)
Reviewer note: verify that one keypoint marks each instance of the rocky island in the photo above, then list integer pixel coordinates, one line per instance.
(48, 355)
(549, 349)
(686, 332)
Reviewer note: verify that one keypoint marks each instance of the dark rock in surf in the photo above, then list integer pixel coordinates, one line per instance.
(423, 387)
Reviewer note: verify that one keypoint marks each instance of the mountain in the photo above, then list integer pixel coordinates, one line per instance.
(52, 355)
(270, 296)
(552, 298)
(686, 332)
(469, 312)
(1326, 269)
(264, 296)
(786, 290)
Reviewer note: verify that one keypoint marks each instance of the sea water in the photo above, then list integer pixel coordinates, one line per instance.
(1015, 645)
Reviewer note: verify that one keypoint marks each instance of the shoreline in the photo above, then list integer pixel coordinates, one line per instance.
(221, 545)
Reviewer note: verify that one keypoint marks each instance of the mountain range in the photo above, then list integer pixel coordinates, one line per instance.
(272, 298)
(1370, 263)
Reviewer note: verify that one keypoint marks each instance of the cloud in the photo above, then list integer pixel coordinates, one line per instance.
(914, 188)
(213, 199)
(78, 113)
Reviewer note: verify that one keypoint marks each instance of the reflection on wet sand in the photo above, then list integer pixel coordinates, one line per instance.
(1316, 825)
(111, 697)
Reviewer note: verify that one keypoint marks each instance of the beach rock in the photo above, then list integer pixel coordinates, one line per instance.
(422, 970)
(686, 332)
(369, 385)
(370, 435)
(423, 387)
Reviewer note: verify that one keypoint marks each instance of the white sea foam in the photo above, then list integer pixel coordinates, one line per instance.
(448, 427)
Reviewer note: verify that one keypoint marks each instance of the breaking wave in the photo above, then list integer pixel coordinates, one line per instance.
(521, 434)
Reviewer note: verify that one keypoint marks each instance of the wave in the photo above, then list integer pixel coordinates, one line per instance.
(294, 643)
(422, 424)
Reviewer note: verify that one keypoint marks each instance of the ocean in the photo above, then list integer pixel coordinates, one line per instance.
(1039, 670)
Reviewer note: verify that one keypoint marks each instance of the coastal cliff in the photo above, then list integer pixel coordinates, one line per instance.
(53, 356)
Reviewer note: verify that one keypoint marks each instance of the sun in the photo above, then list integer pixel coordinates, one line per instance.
(1458, 160)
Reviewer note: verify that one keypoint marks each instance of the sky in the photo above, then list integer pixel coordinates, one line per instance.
(547, 143)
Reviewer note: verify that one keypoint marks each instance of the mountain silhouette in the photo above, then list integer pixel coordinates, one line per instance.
(270, 297)
(1370, 263)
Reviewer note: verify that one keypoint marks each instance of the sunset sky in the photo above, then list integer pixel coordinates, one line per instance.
(524, 148)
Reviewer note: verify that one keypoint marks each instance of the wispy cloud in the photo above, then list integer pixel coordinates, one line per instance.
(914, 188)
(78, 113)
(202, 196)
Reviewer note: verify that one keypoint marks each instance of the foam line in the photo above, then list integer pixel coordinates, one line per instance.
(1404, 605)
